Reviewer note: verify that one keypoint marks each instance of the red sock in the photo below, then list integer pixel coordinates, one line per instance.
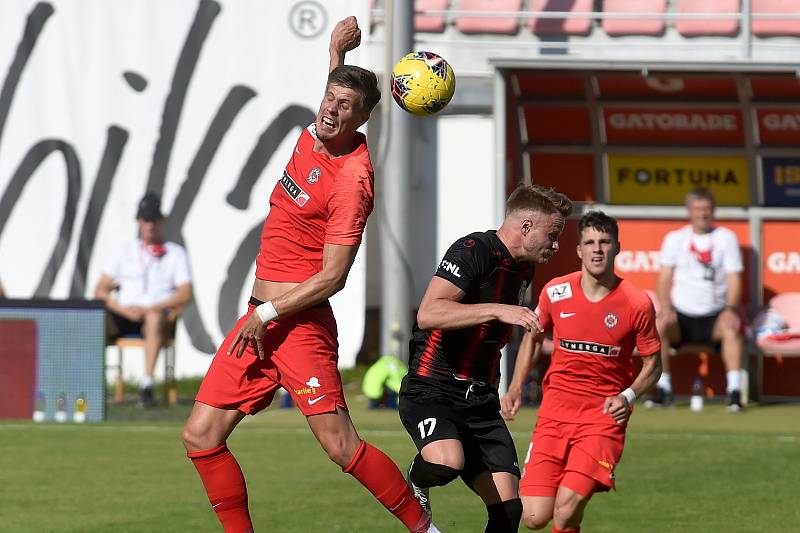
(225, 487)
(567, 530)
(373, 469)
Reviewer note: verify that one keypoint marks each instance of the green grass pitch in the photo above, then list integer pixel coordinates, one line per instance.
(682, 472)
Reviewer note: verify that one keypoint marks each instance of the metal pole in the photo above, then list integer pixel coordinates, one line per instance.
(747, 36)
(396, 289)
(499, 111)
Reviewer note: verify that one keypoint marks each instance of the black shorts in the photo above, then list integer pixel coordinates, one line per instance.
(697, 329)
(433, 410)
(118, 326)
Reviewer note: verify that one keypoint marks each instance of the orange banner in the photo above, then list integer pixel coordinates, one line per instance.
(781, 258)
(638, 260)
(641, 241)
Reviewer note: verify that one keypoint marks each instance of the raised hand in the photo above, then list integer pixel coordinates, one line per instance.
(346, 35)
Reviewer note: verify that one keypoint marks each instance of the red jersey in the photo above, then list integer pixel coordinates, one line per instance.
(318, 200)
(593, 346)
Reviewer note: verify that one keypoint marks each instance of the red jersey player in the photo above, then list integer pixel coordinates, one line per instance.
(597, 320)
(288, 337)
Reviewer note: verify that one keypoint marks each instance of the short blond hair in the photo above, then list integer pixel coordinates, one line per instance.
(537, 198)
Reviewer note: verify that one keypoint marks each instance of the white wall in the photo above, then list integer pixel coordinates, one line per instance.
(72, 90)
(452, 194)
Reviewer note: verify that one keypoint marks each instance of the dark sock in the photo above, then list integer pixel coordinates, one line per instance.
(504, 517)
(425, 474)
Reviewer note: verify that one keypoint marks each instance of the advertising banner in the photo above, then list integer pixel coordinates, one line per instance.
(780, 257)
(547, 124)
(779, 126)
(641, 240)
(200, 101)
(781, 181)
(673, 126)
(665, 179)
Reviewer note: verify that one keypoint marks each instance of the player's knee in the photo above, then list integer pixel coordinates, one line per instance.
(536, 521)
(444, 458)
(340, 447)
(193, 437)
(432, 474)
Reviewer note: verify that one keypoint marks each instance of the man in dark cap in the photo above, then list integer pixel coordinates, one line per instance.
(142, 283)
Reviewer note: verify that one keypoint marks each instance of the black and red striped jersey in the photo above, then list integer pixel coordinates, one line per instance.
(481, 266)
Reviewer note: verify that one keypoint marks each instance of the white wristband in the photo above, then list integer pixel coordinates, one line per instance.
(629, 395)
(266, 312)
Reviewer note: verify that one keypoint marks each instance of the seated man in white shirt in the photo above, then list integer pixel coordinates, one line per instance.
(142, 283)
(700, 291)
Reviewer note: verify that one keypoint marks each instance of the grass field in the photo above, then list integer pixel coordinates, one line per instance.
(682, 472)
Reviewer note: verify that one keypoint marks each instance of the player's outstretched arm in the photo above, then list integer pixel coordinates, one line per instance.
(345, 36)
(619, 406)
(441, 308)
(527, 356)
(336, 263)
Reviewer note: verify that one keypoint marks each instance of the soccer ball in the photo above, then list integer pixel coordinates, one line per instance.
(423, 83)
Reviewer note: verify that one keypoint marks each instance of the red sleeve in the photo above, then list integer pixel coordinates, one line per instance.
(543, 310)
(349, 204)
(644, 324)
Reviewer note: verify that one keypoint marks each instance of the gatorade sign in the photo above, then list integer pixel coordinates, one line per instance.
(781, 257)
(663, 179)
(660, 126)
(779, 126)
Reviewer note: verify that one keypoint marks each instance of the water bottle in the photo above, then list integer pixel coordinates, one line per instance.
(79, 415)
(40, 407)
(696, 401)
(61, 408)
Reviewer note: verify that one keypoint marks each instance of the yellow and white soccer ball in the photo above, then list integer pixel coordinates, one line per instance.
(423, 83)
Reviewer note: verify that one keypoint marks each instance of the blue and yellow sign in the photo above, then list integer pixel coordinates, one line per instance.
(665, 179)
(781, 181)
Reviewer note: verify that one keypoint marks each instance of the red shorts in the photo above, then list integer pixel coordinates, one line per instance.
(301, 356)
(581, 457)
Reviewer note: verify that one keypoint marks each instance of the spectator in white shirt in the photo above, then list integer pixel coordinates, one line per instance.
(700, 292)
(143, 283)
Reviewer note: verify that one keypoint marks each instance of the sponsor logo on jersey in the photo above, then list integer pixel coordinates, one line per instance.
(299, 196)
(314, 175)
(562, 314)
(469, 243)
(559, 292)
(605, 464)
(610, 320)
(312, 383)
(449, 266)
(592, 348)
